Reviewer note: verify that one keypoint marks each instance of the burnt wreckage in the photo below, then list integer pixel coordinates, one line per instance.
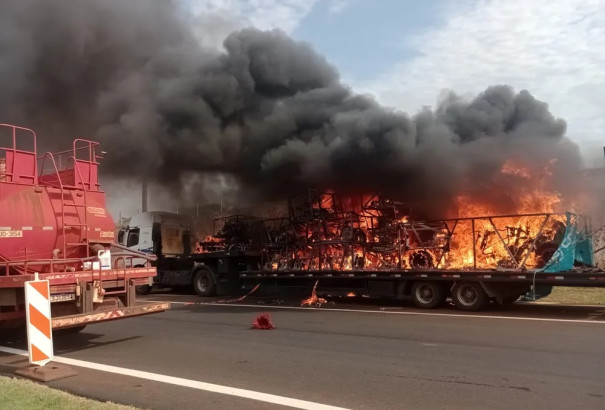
(324, 232)
(374, 247)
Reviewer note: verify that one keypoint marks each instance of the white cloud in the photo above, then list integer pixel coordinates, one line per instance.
(553, 49)
(337, 6)
(262, 14)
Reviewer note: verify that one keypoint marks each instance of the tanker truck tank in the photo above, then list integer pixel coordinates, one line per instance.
(54, 226)
(50, 206)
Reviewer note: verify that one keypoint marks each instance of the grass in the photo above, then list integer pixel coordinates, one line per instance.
(24, 394)
(579, 296)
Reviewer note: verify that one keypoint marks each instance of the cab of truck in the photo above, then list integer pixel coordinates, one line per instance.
(163, 234)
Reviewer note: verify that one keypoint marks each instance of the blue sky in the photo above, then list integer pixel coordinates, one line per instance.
(363, 39)
(407, 52)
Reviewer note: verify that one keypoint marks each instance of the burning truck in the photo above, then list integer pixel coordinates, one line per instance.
(272, 116)
(373, 246)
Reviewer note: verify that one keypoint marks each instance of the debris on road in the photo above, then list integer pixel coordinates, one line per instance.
(240, 298)
(263, 322)
(270, 301)
(314, 300)
(225, 300)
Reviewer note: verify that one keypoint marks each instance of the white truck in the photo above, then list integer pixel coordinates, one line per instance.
(164, 234)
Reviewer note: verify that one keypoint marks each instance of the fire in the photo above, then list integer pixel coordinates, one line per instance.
(505, 242)
(313, 300)
(371, 232)
(513, 241)
(511, 167)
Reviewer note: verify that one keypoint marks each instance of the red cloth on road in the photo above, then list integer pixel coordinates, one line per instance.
(263, 322)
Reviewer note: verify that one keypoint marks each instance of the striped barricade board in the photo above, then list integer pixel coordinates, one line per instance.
(39, 323)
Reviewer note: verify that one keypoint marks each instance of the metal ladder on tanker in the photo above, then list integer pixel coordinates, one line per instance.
(78, 187)
(83, 225)
(72, 190)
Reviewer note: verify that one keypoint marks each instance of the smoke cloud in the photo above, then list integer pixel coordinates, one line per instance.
(267, 111)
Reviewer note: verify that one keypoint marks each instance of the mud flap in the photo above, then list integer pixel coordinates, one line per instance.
(538, 292)
(504, 292)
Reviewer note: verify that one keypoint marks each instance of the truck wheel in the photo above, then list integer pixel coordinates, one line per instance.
(469, 296)
(428, 295)
(421, 260)
(203, 283)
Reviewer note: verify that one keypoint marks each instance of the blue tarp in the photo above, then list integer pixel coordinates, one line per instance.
(575, 247)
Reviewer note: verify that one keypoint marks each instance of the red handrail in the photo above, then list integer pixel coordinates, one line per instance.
(9, 170)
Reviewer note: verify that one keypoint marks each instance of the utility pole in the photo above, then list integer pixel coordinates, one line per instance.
(144, 195)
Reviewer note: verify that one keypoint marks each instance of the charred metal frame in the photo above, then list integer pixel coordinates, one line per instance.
(236, 233)
(319, 235)
(505, 242)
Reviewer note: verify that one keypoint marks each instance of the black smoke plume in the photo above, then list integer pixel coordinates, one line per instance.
(267, 110)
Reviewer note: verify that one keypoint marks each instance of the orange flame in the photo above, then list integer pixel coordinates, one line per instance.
(313, 300)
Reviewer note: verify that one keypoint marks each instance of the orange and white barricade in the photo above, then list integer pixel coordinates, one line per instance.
(39, 323)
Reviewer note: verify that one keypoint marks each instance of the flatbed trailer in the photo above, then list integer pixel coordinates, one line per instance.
(558, 253)
(468, 289)
(381, 252)
(208, 274)
(235, 273)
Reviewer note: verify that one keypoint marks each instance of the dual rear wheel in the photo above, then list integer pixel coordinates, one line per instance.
(468, 296)
(428, 295)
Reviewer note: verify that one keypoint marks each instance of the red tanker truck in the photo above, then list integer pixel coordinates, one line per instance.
(54, 222)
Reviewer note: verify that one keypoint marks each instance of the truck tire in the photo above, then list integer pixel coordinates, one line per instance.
(469, 296)
(203, 283)
(421, 260)
(428, 295)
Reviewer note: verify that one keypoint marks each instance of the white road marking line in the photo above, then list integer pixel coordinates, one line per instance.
(214, 388)
(388, 312)
(543, 303)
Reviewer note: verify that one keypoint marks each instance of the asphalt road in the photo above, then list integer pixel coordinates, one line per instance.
(393, 359)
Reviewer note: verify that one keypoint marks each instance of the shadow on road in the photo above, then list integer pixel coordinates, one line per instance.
(75, 342)
(63, 343)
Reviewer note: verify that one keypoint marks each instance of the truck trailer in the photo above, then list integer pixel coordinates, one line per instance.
(168, 237)
(54, 223)
(378, 251)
